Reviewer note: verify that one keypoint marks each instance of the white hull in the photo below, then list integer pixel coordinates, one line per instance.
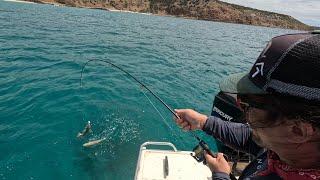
(159, 164)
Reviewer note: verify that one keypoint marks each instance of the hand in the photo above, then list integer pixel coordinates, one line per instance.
(190, 119)
(218, 164)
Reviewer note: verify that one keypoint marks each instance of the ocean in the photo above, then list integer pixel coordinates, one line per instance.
(43, 107)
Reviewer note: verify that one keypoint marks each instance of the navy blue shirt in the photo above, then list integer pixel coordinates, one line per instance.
(239, 137)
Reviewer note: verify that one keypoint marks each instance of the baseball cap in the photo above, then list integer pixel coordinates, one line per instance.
(289, 64)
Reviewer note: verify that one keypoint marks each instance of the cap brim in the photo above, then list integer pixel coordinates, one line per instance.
(240, 84)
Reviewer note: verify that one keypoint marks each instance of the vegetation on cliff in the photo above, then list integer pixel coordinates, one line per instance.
(212, 10)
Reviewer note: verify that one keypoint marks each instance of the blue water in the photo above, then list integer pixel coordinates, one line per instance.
(43, 107)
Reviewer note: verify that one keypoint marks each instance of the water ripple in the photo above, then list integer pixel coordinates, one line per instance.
(43, 107)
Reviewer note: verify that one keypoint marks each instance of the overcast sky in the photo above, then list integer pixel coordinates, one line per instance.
(307, 11)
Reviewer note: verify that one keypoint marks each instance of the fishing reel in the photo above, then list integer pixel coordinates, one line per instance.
(198, 154)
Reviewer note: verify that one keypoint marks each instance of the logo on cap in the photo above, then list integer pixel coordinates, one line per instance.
(259, 69)
(259, 66)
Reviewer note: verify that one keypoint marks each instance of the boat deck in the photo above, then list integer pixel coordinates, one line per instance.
(169, 164)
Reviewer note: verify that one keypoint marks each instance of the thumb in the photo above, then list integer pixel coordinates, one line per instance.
(179, 112)
(209, 158)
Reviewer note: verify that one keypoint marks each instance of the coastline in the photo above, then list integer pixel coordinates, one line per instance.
(87, 7)
(20, 1)
(229, 13)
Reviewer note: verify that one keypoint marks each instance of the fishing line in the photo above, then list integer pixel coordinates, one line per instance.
(142, 85)
(157, 110)
(163, 118)
(150, 101)
(201, 142)
(108, 62)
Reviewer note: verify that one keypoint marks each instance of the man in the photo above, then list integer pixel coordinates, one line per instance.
(280, 97)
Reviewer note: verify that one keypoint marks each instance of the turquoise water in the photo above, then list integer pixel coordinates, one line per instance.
(43, 107)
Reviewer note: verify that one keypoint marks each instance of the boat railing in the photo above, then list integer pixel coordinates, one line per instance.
(144, 145)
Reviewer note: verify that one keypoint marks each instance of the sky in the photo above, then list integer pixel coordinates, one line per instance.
(306, 11)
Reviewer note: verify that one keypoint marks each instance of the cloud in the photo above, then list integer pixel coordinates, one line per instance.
(307, 11)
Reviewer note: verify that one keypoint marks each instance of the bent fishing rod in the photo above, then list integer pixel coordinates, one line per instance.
(198, 150)
(201, 142)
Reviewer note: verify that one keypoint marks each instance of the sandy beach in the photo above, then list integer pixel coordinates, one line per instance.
(126, 11)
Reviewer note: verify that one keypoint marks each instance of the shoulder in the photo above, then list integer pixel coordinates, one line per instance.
(256, 169)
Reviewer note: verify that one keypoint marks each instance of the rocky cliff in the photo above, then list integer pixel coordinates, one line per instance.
(212, 10)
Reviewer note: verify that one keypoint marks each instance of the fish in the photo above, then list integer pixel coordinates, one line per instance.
(85, 131)
(92, 143)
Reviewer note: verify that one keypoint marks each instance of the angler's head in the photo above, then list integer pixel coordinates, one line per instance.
(281, 94)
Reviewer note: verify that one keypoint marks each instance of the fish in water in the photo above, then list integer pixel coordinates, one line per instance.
(92, 143)
(85, 131)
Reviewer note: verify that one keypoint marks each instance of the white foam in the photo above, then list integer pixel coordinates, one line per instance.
(126, 11)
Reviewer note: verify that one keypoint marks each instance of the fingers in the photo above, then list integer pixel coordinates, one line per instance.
(218, 164)
(179, 110)
(182, 121)
(179, 120)
(209, 158)
(214, 159)
(183, 124)
(187, 128)
(220, 156)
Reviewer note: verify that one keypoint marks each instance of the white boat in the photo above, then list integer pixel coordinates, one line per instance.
(157, 164)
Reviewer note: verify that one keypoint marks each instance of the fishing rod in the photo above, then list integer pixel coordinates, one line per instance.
(202, 144)
(132, 78)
